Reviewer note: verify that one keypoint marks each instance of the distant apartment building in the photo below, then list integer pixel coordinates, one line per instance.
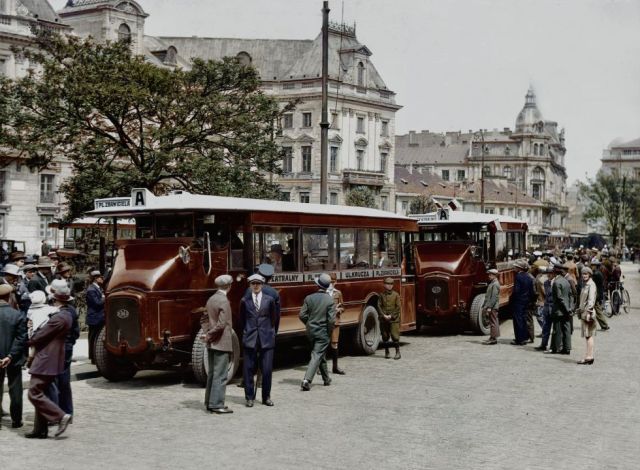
(622, 159)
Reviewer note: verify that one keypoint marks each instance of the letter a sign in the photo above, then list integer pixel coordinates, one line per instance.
(443, 214)
(138, 196)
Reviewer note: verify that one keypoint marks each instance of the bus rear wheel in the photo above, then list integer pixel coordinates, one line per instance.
(112, 368)
(478, 320)
(200, 362)
(368, 332)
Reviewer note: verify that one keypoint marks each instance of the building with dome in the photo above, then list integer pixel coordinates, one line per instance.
(531, 157)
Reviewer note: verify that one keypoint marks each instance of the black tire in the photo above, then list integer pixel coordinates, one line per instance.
(616, 302)
(626, 301)
(112, 368)
(368, 331)
(200, 364)
(478, 320)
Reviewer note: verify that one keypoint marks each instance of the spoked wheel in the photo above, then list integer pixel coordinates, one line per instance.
(626, 301)
(616, 302)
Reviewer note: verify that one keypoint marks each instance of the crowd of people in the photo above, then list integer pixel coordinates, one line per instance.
(38, 330)
(259, 322)
(556, 289)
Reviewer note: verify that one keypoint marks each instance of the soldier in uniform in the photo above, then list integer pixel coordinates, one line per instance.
(335, 334)
(389, 312)
(491, 306)
(560, 311)
(318, 314)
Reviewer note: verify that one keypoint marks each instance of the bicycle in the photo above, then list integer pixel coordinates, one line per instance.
(617, 299)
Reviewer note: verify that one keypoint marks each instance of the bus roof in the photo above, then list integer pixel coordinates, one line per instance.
(445, 217)
(142, 200)
(94, 222)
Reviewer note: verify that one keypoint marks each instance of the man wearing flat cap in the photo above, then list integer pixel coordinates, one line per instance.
(318, 313)
(491, 306)
(218, 336)
(258, 323)
(95, 310)
(522, 296)
(560, 311)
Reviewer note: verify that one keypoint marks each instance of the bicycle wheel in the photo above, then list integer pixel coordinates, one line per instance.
(616, 302)
(626, 300)
(607, 308)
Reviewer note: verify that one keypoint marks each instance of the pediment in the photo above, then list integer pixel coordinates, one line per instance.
(361, 142)
(306, 138)
(385, 145)
(335, 139)
(285, 139)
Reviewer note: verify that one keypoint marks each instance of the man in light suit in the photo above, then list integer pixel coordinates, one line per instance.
(258, 320)
(219, 345)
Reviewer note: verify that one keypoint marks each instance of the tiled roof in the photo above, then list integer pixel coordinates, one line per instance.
(447, 154)
(635, 143)
(41, 9)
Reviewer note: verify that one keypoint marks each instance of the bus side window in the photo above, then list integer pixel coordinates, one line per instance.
(355, 248)
(237, 248)
(144, 227)
(319, 249)
(386, 249)
(276, 246)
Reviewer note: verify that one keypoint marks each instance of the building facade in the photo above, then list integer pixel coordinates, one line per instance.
(531, 158)
(622, 159)
(29, 197)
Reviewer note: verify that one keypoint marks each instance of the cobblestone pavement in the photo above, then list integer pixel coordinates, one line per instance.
(449, 403)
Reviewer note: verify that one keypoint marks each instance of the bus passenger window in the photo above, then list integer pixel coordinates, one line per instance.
(319, 249)
(144, 227)
(174, 226)
(501, 248)
(386, 249)
(276, 246)
(237, 248)
(355, 249)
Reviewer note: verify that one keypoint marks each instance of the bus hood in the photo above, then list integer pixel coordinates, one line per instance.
(451, 258)
(153, 265)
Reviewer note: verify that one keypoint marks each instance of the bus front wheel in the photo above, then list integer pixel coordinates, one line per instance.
(200, 363)
(112, 368)
(368, 332)
(478, 319)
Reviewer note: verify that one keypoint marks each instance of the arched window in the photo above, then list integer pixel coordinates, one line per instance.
(124, 33)
(535, 149)
(170, 58)
(541, 150)
(487, 170)
(538, 173)
(244, 58)
(507, 172)
(360, 74)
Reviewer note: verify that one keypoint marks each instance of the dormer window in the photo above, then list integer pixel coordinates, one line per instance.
(360, 74)
(124, 33)
(171, 57)
(244, 58)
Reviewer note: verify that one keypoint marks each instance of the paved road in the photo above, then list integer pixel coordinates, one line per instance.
(450, 403)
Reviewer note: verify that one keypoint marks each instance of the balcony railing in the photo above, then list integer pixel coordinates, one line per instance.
(362, 177)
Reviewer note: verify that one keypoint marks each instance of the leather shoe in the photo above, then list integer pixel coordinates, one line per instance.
(337, 370)
(17, 425)
(551, 351)
(540, 348)
(566, 352)
(490, 341)
(267, 402)
(249, 404)
(327, 382)
(63, 424)
(305, 386)
(222, 411)
(37, 435)
(518, 343)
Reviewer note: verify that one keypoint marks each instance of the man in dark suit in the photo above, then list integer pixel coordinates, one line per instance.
(95, 310)
(521, 297)
(49, 362)
(13, 337)
(258, 321)
(561, 311)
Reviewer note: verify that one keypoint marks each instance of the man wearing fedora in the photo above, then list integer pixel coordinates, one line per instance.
(275, 257)
(40, 280)
(522, 296)
(258, 322)
(13, 337)
(22, 293)
(49, 362)
(491, 306)
(95, 310)
(11, 277)
(218, 336)
(560, 311)
(318, 313)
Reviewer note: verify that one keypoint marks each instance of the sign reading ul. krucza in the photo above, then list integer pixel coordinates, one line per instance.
(282, 278)
(112, 202)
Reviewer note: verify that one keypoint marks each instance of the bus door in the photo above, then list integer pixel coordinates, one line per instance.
(407, 283)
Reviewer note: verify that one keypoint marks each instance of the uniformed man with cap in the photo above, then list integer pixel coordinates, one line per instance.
(258, 323)
(335, 334)
(560, 311)
(318, 313)
(389, 311)
(491, 306)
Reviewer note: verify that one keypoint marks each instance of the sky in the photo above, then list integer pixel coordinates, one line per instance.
(465, 64)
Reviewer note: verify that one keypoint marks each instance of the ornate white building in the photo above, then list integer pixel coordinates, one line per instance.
(531, 157)
(29, 198)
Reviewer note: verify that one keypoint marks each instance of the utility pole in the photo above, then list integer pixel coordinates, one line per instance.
(481, 134)
(324, 124)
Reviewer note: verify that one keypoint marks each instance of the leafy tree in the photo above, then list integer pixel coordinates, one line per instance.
(126, 123)
(361, 196)
(422, 204)
(613, 200)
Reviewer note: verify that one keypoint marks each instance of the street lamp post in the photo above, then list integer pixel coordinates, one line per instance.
(480, 134)
(324, 123)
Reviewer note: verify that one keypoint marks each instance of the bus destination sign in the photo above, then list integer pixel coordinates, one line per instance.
(280, 278)
(112, 202)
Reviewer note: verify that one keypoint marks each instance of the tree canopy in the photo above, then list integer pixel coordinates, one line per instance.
(614, 200)
(124, 122)
(361, 196)
(422, 204)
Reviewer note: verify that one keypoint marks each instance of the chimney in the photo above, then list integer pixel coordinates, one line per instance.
(412, 137)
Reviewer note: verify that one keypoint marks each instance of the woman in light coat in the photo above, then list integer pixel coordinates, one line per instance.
(588, 313)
